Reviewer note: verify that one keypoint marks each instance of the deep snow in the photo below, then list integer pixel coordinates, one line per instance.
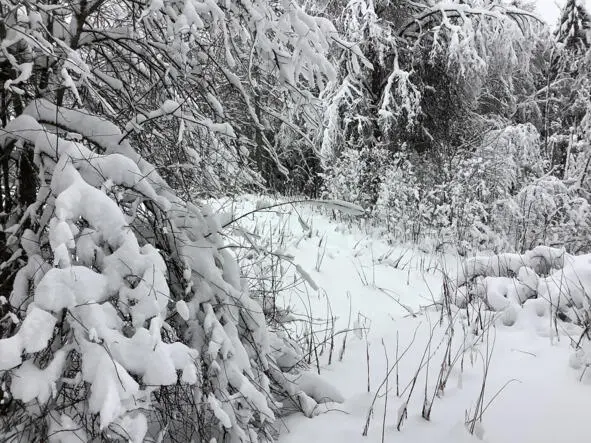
(386, 292)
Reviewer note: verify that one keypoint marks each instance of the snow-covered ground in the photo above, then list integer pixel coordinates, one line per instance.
(383, 296)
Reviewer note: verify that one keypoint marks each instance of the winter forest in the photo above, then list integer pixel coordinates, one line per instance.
(230, 221)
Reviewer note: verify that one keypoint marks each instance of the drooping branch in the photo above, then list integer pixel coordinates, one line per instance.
(434, 16)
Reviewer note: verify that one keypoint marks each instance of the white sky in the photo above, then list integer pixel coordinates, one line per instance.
(550, 9)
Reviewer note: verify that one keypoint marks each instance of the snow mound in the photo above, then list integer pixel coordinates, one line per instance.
(543, 282)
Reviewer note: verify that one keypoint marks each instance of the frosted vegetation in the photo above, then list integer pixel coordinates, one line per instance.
(134, 306)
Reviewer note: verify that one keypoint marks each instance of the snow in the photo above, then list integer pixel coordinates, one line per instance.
(112, 82)
(317, 387)
(219, 413)
(26, 70)
(61, 288)
(36, 329)
(541, 398)
(183, 309)
(31, 382)
(134, 428)
(65, 430)
(10, 352)
(569, 284)
(34, 333)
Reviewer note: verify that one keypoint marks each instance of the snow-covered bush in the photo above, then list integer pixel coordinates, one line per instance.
(549, 211)
(459, 202)
(544, 287)
(356, 176)
(494, 197)
(548, 280)
(507, 283)
(505, 160)
(342, 179)
(399, 201)
(488, 179)
(147, 340)
(519, 205)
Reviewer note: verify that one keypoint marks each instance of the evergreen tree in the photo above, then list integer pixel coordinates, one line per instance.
(575, 25)
(567, 97)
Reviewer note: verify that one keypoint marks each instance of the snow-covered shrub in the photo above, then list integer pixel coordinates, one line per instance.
(548, 211)
(502, 193)
(467, 214)
(102, 332)
(468, 201)
(341, 180)
(356, 176)
(544, 289)
(143, 338)
(398, 202)
(486, 181)
(504, 160)
(507, 283)
(558, 281)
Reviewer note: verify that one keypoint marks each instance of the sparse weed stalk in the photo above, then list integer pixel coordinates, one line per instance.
(387, 391)
(476, 418)
(344, 345)
(362, 275)
(321, 252)
(385, 381)
(425, 362)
